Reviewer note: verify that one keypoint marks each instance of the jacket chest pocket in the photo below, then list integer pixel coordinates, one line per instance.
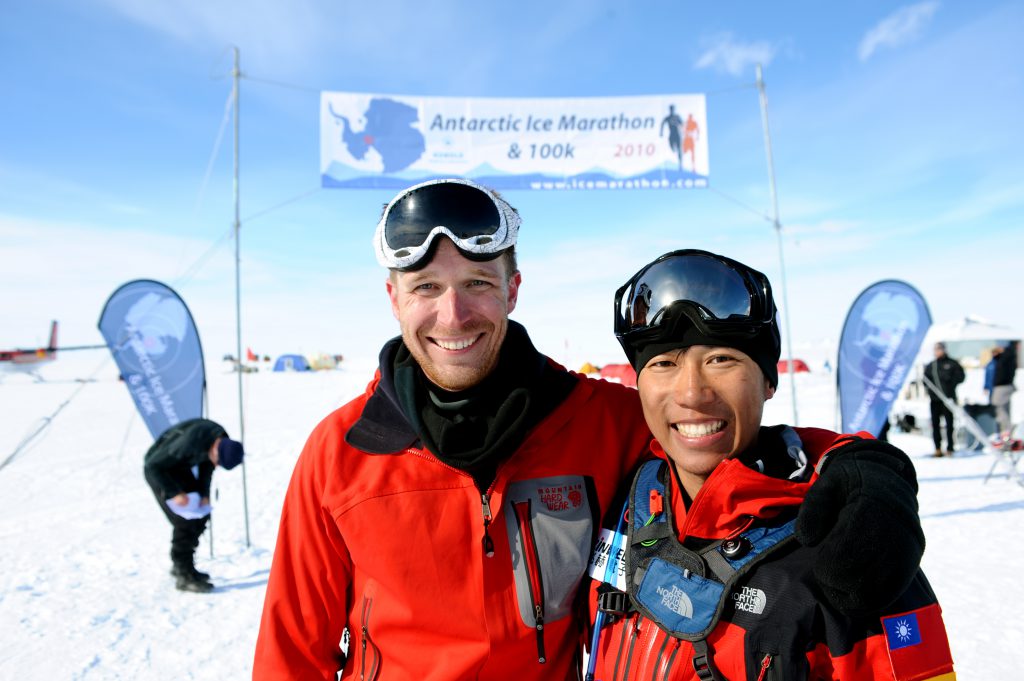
(550, 525)
(769, 659)
(368, 652)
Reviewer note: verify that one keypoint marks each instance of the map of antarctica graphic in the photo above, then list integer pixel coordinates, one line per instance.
(389, 129)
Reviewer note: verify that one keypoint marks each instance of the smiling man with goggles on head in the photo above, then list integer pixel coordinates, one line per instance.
(462, 442)
(479, 222)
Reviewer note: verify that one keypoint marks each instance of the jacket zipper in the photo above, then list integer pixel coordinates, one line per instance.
(766, 663)
(485, 499)
(375, 666)
(522, 510)
(488, 543)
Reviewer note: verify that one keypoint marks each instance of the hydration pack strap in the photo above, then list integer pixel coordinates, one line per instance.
(612, 601)
(721, 567)
(685, 591)
(703, 665)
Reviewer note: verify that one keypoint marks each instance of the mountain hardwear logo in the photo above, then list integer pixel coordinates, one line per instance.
(676, 600)
(750, 600)
(561, 497)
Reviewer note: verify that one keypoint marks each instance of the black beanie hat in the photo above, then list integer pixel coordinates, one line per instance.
(765, 348)
(229, 453)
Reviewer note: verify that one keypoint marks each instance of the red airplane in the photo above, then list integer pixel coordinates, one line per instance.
(27, 360)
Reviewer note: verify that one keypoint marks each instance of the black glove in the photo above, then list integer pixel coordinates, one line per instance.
(863, 512)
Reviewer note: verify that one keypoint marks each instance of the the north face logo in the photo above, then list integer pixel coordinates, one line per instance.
(676, 600)
(750, 600)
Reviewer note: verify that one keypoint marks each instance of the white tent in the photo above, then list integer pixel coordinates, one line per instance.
(969, 340)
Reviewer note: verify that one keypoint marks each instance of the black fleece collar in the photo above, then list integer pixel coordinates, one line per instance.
(476, 429)
(384, 428)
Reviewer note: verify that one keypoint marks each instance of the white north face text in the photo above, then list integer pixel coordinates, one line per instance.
(750, 600)
(676, 600)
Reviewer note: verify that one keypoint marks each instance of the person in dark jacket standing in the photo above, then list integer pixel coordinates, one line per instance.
(1005, 359)
(180, 463)
(945, 373)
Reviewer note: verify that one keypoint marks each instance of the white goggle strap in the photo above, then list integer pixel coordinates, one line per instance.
(505, 236)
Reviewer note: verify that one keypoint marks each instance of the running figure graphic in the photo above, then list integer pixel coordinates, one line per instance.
(691, 133)
(674, 123)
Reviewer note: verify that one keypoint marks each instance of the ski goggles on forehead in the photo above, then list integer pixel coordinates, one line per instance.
(720, 295)
(477, 221)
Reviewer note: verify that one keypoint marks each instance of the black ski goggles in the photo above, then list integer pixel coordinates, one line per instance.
(722, 297)
(477, 221)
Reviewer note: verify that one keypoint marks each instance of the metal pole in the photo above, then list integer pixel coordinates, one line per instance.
(209, 523)
(236, 73)
(778, 233)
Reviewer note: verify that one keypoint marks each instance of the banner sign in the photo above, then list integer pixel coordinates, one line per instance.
(393, 141)
(154, 341)
(881, 338)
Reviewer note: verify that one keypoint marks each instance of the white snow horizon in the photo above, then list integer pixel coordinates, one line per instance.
(85, 591)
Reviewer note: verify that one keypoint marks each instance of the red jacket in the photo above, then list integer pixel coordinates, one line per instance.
(775, 625)
(394, 547)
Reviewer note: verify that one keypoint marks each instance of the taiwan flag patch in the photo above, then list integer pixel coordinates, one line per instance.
(902, 631)
(918, 647)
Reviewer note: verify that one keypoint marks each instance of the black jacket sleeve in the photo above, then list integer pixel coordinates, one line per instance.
(958, 373)
(932, 375)
(178, 449)
(205, 477)
(863, 513)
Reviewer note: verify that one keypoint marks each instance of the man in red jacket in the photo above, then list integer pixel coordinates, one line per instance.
(440, 524)
(712, 582)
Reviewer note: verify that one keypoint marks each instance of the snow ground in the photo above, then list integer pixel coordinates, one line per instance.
(84, 588)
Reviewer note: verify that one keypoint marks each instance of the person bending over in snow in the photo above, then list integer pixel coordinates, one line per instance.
(180, 462)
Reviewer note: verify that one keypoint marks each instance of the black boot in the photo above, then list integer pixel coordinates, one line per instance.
(184, 541)
(190, 583)
(182, 570)
(183, 564)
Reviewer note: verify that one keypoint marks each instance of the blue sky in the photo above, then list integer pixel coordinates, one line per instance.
(895, 131)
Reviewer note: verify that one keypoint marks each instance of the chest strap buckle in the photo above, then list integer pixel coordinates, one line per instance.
(614, 602)
(702, 664)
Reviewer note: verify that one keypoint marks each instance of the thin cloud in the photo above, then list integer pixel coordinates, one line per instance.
(724, 53)
(828, 226)
(19, 182)
(986, 200)
(307, 37)
(298, 29)
(899, 28)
